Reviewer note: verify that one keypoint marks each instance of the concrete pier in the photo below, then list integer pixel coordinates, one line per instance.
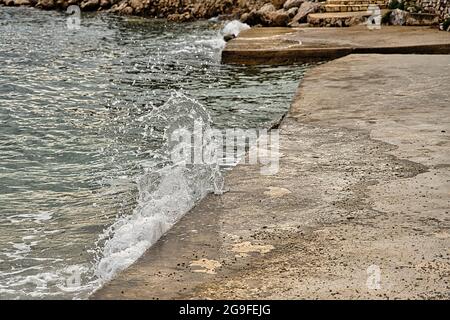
(289, 45)
(358, 209)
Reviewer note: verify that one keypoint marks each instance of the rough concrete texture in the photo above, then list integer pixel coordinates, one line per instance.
(364, 183)
(287, 45)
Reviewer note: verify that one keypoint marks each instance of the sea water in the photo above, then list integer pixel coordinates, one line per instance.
(86, 183)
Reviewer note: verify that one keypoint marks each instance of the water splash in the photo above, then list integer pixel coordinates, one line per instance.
(166, 190)
(234, 28)
(88, 155)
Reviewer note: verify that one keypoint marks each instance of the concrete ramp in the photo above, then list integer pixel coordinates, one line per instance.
(300, 45)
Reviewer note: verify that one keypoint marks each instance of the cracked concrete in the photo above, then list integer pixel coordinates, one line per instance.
(363, 186)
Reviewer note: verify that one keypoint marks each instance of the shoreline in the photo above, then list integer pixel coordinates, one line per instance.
(264, 13)
(242, 248)
(178, 11)
(356, 192)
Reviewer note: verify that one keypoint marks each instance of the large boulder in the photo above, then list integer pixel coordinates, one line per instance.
(397, 17)
(292, 12)
(305, 9)
(252, 18)
(137, 5)
(266, 9)
(292, 3)
(279, 18)
(267, 15)
(421, 19)
(122, 8)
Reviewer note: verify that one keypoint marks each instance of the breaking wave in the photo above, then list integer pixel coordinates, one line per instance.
(166, 191)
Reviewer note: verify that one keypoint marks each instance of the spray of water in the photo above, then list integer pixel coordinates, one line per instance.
(166, 190)
(234, 28)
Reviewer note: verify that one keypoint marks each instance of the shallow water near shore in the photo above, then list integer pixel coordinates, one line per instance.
(84, 182)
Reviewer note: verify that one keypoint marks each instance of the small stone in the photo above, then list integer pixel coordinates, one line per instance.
(228, 37)
(46, 4)
(292, 12)
(183, 17)
(137, 5)
(279, 18)
(22, 2)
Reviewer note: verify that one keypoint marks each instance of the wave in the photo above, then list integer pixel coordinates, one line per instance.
(234, 28)
(166, 191)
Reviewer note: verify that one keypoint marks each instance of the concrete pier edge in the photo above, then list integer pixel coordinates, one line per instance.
(302, 45)
(363, 185)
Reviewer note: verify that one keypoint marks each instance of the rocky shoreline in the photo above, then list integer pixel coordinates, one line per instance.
(179, 10)
(275, 13)
(266, 13)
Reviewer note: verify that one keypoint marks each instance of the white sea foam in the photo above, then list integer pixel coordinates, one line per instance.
(43, 283)
(218, 43)
(166, 193)
(235, 27)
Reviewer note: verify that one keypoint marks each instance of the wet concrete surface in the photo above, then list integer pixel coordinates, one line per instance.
(288, 45)
(358, 209)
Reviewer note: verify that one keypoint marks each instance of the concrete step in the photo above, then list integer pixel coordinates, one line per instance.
(349, 8)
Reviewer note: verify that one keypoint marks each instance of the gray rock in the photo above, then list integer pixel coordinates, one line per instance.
(397, 17)
(265, 9)
(63, 4)
(267, 15)
(279, 18)
(183, 17)
(228, 37)
(292, 12)
(137, 5)
(244, 17)
(292, 3)
(252, 18)
(305, 9)
(119, 7)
